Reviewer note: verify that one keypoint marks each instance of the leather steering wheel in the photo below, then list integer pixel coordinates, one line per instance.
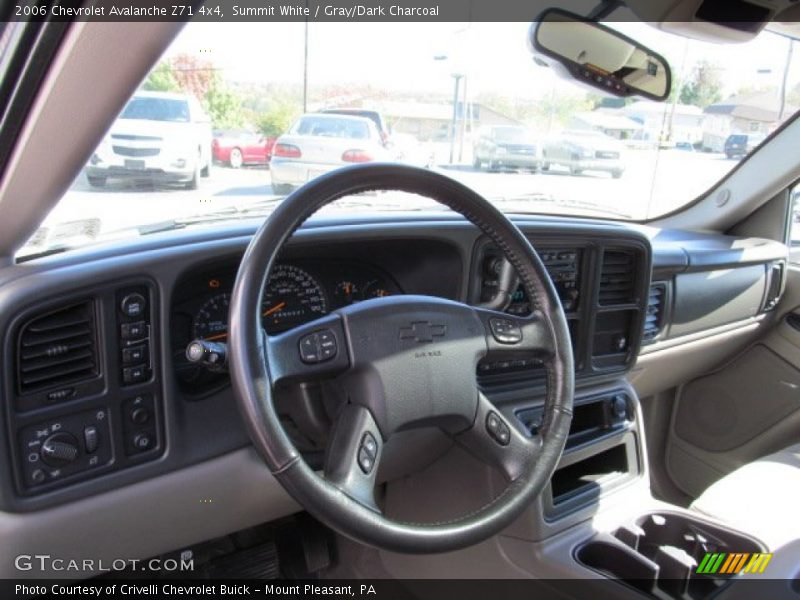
(402, 362)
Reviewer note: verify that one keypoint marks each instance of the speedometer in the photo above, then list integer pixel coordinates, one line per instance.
(292, 297)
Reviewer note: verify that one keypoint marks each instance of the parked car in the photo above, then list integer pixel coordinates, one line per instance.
(238, 148)
(506, 146)
(685, 146)
(372, 115)
(739, 145)
(581, 151)
(317, 143)
(158, 136)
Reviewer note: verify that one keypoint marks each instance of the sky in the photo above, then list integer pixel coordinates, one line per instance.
(400, 56)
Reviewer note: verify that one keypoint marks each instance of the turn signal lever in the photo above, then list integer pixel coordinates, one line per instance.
(211, 355)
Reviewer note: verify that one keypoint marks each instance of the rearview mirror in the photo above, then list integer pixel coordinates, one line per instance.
(598, 56)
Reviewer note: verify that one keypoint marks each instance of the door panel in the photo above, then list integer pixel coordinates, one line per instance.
(743, 410)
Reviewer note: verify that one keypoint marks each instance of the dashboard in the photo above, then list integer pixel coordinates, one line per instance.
(119, 403)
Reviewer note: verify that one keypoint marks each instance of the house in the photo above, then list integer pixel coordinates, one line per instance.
(665, 121)
(607, 121)
(429, 121)
(741, 114)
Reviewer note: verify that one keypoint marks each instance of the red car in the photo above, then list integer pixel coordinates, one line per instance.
(239, 148)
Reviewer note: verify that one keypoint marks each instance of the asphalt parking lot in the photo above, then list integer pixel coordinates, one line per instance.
(654, 183)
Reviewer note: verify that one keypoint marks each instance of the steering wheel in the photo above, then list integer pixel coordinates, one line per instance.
(402, 362)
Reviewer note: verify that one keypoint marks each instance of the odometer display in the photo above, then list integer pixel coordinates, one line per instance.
(292, 297)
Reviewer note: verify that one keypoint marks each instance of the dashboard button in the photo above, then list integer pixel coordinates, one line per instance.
(133, 331)
(91, 439)
(134, 374)
(133, 305)
(140, 415)
(142, 442)
(134, 354)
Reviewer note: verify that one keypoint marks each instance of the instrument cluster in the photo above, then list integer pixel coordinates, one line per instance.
(297, 292)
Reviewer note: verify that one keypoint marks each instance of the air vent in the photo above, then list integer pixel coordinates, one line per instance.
(57, 348)
(617, 277)
(653, 321)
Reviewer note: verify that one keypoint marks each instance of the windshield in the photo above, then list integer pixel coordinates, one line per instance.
(156, 109)
(552, 147)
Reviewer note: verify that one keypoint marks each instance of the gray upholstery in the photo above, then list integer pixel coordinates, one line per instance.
(761, 498)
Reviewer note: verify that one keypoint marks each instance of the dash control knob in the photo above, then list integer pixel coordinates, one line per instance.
(59, 449)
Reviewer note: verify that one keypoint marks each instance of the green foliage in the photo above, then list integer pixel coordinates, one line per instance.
(223, 106)
(161, 79)
(277, 118)
(704, 87)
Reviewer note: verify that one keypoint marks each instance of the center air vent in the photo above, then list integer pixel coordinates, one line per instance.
(653, 321)
(617, 277)
(57, 348)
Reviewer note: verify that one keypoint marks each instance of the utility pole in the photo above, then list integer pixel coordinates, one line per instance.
(786, 66)
(305, 65)
(453, 130)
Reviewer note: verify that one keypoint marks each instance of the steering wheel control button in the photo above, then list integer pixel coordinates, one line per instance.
(367, 453)
(498, 429)
(318, 347)
(133, 305)
(505, 331)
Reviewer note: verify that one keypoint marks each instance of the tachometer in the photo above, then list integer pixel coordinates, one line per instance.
(292, 297)
(211, 321)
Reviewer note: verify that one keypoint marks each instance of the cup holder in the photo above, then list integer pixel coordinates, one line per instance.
(659, 554)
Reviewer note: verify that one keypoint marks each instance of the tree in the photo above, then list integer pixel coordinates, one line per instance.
(704, 86)
(161, 79)
(276, 119)
(223, 106)
(194, 75)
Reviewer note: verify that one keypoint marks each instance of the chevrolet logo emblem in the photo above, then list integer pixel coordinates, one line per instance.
(422, 331)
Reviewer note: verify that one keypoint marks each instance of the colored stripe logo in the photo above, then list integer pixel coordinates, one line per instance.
(729, 563)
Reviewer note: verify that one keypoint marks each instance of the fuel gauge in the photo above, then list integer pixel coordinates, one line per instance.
(346, 292)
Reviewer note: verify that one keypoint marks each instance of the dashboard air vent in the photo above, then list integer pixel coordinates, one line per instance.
(653, 321)
(617, 277)
(57, 348)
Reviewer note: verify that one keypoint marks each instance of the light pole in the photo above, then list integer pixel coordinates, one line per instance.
(457, 77)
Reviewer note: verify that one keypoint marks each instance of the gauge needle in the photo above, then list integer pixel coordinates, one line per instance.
(218, 336)
(274, 309)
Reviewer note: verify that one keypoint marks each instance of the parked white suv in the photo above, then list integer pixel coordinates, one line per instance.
(160, 137)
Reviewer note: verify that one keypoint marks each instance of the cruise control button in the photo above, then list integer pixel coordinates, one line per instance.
(365, 461)
(498, 429)
(505, 331)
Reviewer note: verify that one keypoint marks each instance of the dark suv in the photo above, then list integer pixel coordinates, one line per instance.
(740, 145)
